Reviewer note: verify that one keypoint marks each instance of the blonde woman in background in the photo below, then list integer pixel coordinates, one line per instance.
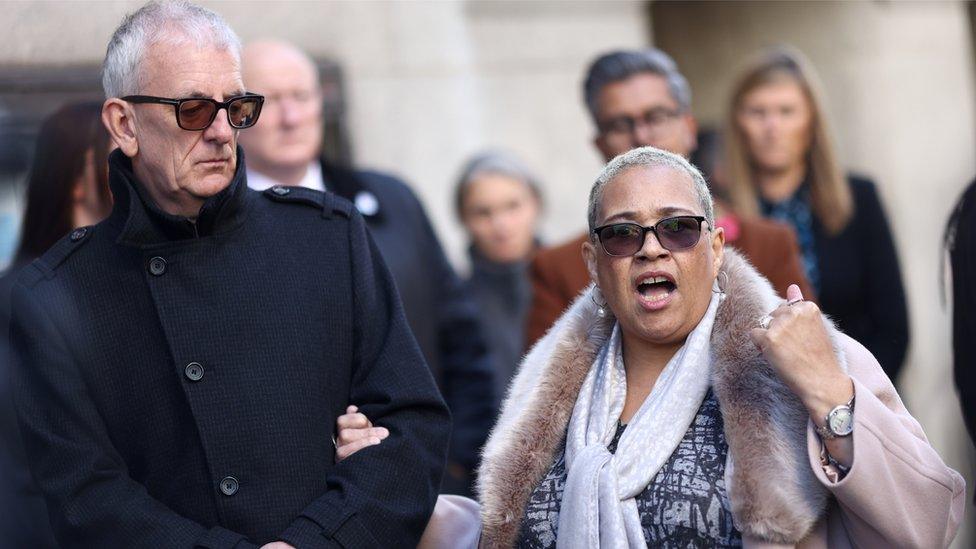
(782, 164)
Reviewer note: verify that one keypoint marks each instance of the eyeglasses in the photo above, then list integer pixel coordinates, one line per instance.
(655, 119)
(198, 113)
(674, 233)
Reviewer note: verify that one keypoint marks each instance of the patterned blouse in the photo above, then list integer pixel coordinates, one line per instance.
(685, 505)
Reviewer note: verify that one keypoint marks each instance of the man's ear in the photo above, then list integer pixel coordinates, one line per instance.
(117, 116)
(589, 257)
(601, 145)
(692, 125)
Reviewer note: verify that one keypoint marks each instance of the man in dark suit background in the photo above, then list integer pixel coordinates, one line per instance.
(285, 150)
(178, 368)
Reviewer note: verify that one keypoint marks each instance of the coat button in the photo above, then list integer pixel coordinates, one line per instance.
(280, 191)
(78, 234)
(229, 486)
(193, 371)
(157, 266)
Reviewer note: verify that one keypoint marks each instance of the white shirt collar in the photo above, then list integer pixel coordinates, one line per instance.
(312, 179)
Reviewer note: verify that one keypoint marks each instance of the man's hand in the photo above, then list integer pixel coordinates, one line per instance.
(355, 433)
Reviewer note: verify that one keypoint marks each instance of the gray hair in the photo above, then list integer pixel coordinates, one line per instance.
(178, 22)
(620, 65)
(495, 163)
(649, 157)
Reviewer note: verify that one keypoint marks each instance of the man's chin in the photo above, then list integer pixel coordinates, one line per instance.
(210, 185)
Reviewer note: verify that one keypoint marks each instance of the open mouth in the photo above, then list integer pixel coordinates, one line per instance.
(655, 288)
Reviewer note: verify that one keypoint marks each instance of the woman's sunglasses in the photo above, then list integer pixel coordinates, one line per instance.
(674, 233)
(198, 113)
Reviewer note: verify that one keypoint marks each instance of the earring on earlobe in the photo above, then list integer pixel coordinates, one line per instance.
(721, 287)
(601, 310)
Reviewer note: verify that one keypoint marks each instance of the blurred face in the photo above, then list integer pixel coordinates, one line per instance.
(181, 168)
(290, 133)
(776, 121)
(639, 111)
(500, 214)
(657, 295)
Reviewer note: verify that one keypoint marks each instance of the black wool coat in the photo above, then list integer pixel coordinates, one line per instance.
(860, 279)
(442, 312)
(178, 383)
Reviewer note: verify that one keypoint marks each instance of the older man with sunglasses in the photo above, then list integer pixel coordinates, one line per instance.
(178, 367)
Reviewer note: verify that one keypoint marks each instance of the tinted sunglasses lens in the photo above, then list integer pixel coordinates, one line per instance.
(244, 112)
(678, 233)
(621, 239)
(196, 114)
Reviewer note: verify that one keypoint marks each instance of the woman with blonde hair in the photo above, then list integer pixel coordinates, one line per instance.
(782, 164)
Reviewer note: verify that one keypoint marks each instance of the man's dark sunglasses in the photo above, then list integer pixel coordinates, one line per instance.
(198, 113)
(674, 233)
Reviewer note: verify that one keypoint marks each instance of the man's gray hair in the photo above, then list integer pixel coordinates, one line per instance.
(652, 158)
(620, 65)
(179, 23)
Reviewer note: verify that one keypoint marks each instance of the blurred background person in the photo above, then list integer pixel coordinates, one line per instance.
(782, 165)
(498, 201)
(285, 149)
(67, 188)
(68, 185)
(960, 241)
(638, 98)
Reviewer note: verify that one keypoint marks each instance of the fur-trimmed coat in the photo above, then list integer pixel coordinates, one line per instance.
(898, 493)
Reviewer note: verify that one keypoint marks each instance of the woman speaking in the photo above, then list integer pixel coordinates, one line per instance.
(679, 402)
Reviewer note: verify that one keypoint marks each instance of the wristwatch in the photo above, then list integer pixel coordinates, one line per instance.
(839, 422)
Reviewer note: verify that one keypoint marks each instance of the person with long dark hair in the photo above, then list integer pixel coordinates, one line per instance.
(68, 185)
(960, 241)
(67, 188)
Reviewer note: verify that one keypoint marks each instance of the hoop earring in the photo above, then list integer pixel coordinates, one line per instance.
(718, 284)
(601, 310)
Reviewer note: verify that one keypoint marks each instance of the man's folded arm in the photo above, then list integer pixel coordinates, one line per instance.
(383, 495)
(92, 500)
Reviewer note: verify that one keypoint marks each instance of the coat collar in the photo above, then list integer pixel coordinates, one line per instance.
(353, 186)
(775, 495)
(141, 223)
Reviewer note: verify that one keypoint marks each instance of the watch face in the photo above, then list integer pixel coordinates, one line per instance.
(841, 421)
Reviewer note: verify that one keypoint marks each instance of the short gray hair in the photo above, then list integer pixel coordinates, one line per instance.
(495, 163)
(178, 22)
(620, 65)
(649, 157)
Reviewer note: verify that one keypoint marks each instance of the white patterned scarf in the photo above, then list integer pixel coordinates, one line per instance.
(598, 506)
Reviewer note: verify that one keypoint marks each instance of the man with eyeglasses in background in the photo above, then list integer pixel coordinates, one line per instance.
(285, 150)
(178, 367)
(638, 98)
